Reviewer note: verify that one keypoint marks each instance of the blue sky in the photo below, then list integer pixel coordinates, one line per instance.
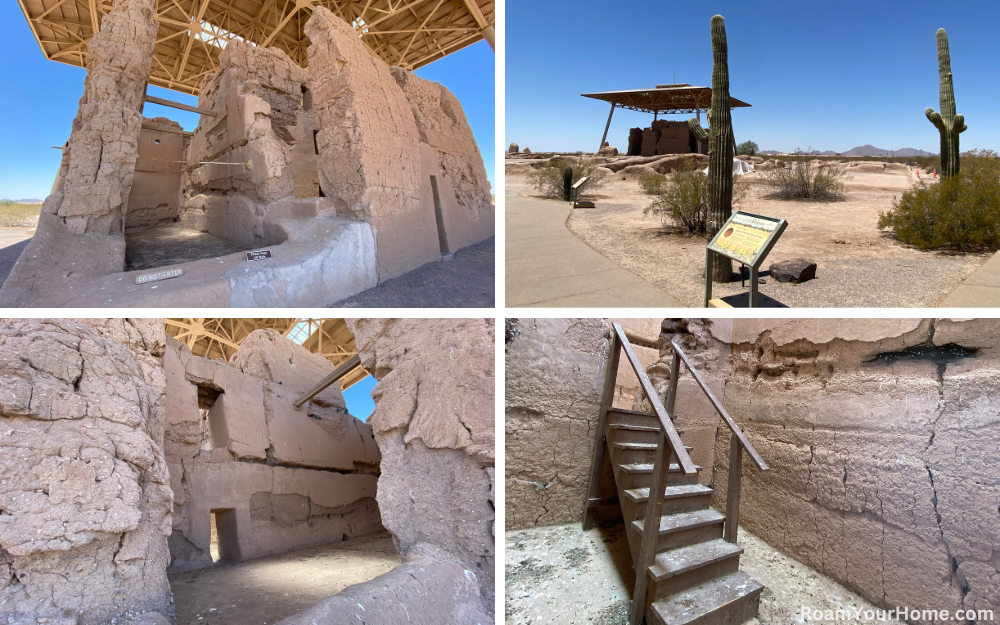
(831, 75)
(359, 398)
(41, 97)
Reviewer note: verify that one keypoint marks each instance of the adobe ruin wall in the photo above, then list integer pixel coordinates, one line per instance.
(881, 436)
(434, 424)
(84, 496)
(286, 477)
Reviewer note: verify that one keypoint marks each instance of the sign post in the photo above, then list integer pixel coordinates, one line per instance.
(745, 238)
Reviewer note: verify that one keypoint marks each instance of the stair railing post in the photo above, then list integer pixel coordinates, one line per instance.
(650, 528)
(733, 494)
(610, 377)
(675, 370)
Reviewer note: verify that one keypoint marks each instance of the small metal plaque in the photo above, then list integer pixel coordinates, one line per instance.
(261, 255)
(159, 275)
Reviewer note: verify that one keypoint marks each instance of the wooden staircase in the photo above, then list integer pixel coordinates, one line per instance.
(687, 571)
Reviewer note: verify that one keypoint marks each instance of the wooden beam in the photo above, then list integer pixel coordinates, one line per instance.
(178, 105)
(339, 372)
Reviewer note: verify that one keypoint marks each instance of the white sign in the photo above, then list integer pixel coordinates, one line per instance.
(159, 275)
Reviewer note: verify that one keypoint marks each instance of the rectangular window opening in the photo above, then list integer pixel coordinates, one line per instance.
(439, 217)
(225, 543)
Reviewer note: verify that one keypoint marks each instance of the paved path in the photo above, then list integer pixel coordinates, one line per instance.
(981, 289)
(466, 281)
(548, 266)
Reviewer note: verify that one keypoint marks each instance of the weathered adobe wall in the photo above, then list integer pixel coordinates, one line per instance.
(84, 494)
(552, 403)
(155, 192)
(100, 156)
(294, 477)
(884, 472)
(449, 154)
(666, 137)
(369, 154)
(257, 96)
(434, 423)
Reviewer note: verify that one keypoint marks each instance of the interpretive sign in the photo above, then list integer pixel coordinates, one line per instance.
(746, 238)
(261, 255)
(159, 275)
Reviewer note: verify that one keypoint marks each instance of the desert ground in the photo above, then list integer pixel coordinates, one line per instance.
(857, 264)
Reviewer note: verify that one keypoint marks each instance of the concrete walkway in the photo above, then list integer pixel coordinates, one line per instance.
(981, 289)
(547, 266)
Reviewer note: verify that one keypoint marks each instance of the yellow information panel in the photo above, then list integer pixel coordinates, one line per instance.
(747, 238)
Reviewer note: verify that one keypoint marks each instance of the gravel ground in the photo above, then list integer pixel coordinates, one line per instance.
(560, 574)
(858, 266)
(466, 281)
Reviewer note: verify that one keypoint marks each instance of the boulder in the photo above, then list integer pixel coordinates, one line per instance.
(607, 151)
(526, 151)
(794, 271)
(513, 149)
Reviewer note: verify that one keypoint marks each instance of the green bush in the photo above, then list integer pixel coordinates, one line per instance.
(682, 199)
(961, 213)
(802, 182)
(747, 148)
(548, 179)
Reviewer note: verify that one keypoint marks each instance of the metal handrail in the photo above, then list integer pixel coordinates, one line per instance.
(737, 432)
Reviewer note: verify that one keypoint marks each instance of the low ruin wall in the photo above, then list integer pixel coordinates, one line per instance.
(84, 496)
(287, 477)
(881, 438)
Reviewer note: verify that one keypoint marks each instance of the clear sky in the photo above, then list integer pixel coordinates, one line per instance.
(831, 75)
(40, 100)
(359, 398)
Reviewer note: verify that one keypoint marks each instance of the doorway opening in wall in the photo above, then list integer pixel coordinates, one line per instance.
(439, 218)
(225, 543)
(213, 426)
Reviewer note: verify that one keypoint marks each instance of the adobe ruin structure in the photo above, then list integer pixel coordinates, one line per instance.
(880, 435)
(123, 454)
(349, 172)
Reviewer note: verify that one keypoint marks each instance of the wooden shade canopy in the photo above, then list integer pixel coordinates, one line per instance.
(681, 98)
(192, 33)
(219, 338)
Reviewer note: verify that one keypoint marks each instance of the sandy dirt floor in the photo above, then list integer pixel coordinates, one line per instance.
(858, 266)
(561, 574)
(266, 590)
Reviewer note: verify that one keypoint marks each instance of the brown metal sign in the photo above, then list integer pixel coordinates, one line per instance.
(261, 255)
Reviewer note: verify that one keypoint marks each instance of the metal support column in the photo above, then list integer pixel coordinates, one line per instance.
(606, 126)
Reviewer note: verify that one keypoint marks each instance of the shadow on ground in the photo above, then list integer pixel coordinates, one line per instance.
(466, 281)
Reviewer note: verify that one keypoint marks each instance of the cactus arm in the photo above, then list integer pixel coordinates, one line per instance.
(699, 133)
(935, 118)
(959, 125)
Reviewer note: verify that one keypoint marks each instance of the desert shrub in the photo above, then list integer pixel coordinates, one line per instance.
(548, 179)
(682, 199)
(961, 213)
(802, 182)
(747, 148)
(13, 214)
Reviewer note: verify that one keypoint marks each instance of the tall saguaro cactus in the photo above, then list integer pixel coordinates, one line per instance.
(948, 123)
(721, 145)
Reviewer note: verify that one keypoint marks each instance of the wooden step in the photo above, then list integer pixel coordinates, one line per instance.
(679, 498)
(640, 475)
(632, 453)
(681, 569)
(686, 528)
(730, 600)
(633, 417)
(633, 433)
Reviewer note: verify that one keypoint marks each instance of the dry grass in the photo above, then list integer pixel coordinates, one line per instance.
(14, 215)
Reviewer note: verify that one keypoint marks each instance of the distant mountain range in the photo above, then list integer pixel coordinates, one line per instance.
(28, 201)
(865, 150)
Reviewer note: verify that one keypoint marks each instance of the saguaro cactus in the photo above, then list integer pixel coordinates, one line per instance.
(721, 145)
(948, 123)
